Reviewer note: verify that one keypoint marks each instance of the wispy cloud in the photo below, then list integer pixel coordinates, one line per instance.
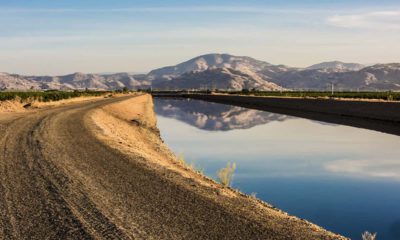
(372, 168)
(133, 37)
(202, 9)
(384, 20)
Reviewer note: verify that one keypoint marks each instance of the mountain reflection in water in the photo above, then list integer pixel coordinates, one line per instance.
(213, 116)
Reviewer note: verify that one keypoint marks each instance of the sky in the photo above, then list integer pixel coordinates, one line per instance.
(47, 37)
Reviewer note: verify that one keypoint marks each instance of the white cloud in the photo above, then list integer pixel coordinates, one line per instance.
(370, 168)
(384, 20)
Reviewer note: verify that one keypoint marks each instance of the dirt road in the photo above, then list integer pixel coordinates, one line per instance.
(58, 180)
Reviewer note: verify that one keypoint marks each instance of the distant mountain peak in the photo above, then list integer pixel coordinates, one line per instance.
(217, 78)
(385, 65)
(337, 66)
(78, 74)
(216, 70)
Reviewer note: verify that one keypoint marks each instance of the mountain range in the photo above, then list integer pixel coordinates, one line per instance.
(73, 81)
(224, 71)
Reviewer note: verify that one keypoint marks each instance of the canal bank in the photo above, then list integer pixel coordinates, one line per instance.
(209, 210)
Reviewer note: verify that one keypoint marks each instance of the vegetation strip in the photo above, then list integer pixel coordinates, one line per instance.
(381, 95)
(48, 96)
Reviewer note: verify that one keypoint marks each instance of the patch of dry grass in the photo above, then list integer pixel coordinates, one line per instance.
(368, 236)
(192, 165)
(225, 175)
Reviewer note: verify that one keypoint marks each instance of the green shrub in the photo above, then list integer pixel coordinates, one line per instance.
(46, 96)
(384, 95)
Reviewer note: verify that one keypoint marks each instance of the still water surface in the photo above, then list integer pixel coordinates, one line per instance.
(343, 178)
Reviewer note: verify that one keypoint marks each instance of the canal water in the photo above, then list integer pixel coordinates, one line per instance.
(343, 178)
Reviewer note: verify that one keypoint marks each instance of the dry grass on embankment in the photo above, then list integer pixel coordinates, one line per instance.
(129, 126)
(19, 105)
(12, 106)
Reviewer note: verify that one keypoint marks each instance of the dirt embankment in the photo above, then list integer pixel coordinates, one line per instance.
(130, 127)
(11, 106)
